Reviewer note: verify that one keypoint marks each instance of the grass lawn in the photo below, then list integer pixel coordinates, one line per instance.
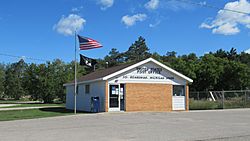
(33, 105)
(34, 113)
(16, 101)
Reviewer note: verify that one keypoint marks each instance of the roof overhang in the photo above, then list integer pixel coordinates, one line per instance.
(144, 62)
(189, 80)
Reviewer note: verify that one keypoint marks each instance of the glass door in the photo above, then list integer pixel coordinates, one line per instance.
(114, 100)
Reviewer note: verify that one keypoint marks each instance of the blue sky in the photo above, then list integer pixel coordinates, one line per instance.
(43, 29)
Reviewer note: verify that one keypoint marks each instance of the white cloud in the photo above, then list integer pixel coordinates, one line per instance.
(152, 25)
(205, 25)
(152, 4)
(226, 29)
(202, 3)
(105, 4)
(68, 25)
(76, 9)
(176, 5)
(131, 20)
(247, 51)
(228, 23)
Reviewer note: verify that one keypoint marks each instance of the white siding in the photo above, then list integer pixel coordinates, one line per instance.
(164, 74)
(70, 97)
(83, 100)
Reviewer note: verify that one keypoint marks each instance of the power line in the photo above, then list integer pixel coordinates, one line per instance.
(24, 57)
(211, 6)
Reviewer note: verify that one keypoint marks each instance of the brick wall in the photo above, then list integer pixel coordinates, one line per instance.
(148, 97)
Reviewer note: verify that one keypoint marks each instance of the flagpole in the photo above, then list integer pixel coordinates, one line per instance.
(75, 75)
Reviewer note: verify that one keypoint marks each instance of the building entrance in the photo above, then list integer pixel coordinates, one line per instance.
(116, 97)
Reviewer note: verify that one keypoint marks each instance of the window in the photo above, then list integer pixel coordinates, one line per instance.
(178, 90)
(87, 88)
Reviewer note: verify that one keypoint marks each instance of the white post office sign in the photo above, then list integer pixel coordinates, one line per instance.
(145, 73)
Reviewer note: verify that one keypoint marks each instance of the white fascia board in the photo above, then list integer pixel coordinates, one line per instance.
(146, 61)
(173, 71)
(126, 69)
(83, 82)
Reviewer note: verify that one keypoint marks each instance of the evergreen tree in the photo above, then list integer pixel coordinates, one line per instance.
(220, 53)
(157, 56)
(114, 58)
(137, 51)
(232, 54)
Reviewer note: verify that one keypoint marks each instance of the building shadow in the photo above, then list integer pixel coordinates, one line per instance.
(60, 110)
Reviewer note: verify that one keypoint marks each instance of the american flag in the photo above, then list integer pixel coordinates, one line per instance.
(87, 43)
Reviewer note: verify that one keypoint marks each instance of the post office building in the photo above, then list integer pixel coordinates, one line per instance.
(147, 85)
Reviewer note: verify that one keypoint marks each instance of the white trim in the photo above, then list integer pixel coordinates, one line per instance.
(146, 61)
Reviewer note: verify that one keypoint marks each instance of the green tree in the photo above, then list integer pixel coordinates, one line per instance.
(114, 58)
(236, 76)
(232, 54)
(220, 53)
(32, 81)
(244, 58)
(190, 66)
(208, 73)
(2, 78)
(157, 56)
(45, 87)
(170, 58)
(137, 51)
(14, 80)
(59, 77)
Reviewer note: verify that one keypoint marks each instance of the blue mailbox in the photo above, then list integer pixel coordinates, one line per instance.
(95, 104)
